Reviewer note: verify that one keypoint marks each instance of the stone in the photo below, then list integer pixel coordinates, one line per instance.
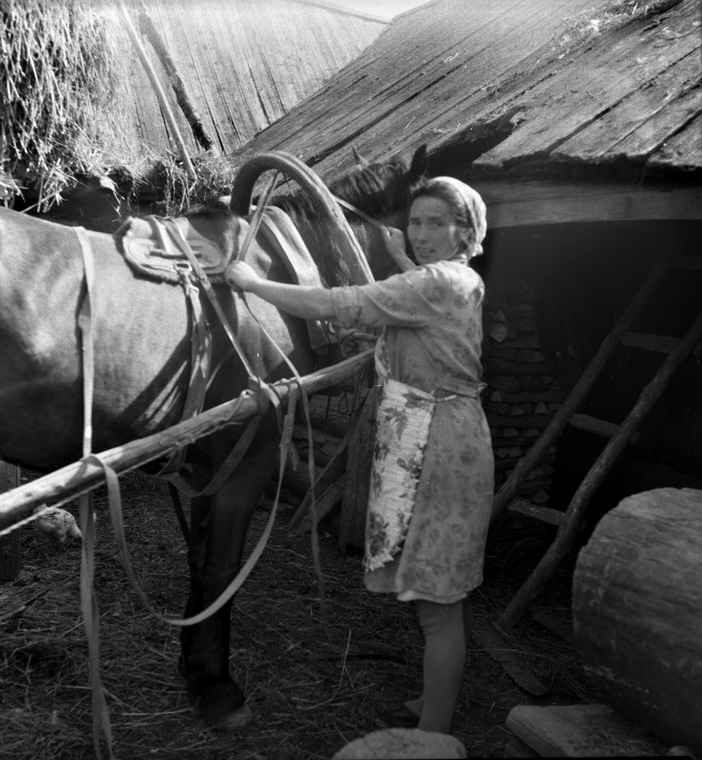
(403, 744)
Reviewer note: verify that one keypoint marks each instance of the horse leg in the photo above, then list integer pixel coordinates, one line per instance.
(218, 530)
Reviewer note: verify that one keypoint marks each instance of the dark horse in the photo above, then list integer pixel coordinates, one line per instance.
(142, 365)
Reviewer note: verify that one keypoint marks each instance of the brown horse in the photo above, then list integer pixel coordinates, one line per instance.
(142, 368)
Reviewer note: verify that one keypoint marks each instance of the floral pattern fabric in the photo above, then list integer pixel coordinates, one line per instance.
(432, 331)
(402, 429)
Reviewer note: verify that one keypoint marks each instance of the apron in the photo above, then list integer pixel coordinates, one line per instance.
(403, 417)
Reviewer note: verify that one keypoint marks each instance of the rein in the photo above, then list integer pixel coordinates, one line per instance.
(89, 605)
(358, 212)
(200, 357)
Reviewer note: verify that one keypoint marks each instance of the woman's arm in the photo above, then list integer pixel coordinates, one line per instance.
(300, 301)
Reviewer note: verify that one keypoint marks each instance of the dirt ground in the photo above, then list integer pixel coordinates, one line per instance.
(313, 676)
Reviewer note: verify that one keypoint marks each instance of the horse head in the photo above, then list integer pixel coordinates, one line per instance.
(378, 190)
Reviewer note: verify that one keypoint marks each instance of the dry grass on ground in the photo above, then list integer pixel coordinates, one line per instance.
(313, 681)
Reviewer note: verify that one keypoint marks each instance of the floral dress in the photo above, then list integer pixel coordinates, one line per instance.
(432, 332)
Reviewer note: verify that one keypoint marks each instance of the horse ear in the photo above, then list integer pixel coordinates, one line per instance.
(362, 162)
(420, 163)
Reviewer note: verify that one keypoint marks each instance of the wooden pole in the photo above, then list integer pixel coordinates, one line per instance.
(560, 419)
(592, 481)
(9, 545)
(80, 477)
(160, 94)
(183, 99)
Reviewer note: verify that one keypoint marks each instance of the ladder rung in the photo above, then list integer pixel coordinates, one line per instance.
(662, 343)
(593, 425)
(683, 261)
(545, 514)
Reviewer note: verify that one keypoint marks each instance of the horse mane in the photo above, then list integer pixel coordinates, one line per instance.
(380, 190)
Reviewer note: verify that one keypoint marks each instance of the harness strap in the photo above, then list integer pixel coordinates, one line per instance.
(170, 471)
(257, 219)
(358, 212)
(225, 470)
(89, 605)
(115, 502)
(182, 243)
(200, 361)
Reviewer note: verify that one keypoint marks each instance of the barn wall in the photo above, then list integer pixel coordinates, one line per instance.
(244, 63)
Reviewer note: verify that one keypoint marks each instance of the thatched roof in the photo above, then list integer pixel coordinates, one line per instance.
(511, 90)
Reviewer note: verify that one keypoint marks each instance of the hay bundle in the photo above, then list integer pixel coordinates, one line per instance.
(62, 109)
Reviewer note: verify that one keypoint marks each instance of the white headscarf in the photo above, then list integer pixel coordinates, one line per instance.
(475, 208)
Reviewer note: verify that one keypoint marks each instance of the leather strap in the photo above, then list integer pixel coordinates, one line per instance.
(89, 605)
(115, 502)
(200, 362)
(358, 212)
(179, 239)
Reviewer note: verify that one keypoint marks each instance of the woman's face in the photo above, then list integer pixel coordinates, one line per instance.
(432, 231)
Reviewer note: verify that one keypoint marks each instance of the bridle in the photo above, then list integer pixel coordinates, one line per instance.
(358, 212)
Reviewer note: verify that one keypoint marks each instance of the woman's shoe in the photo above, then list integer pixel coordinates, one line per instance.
(398, 716)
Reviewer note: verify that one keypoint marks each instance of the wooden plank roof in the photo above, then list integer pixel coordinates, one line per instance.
(244, 63)
(508, 84)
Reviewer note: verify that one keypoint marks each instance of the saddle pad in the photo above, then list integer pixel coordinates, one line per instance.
(149, 248)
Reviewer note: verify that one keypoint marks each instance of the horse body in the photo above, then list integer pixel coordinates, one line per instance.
(142, 370)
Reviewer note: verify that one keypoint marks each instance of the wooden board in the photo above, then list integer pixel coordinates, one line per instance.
(510, 659)
(554, 110)
(516, 203)
(359, 462)
(580, 731)
(605, 134)
(426, 78)
(560, 626)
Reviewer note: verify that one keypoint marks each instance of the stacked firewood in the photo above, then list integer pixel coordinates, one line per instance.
(523, 392)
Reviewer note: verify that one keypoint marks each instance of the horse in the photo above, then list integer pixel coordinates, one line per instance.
(142, 361)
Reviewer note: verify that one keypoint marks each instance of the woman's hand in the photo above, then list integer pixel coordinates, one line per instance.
(240, 276)
(395, 245)
(308, 302)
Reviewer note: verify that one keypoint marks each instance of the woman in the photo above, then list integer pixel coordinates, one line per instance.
(431, 320)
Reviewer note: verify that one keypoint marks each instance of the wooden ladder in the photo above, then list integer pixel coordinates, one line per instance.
(620, 435)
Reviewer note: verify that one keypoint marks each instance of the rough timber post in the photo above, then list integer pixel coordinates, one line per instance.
(9, 545)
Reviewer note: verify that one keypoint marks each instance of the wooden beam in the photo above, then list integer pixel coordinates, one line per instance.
(81, 476)
(591, 424)
(593, 730)
(521, 203)
(661, 343)
(544, 514)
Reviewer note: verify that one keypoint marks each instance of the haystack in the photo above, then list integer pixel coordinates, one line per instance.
(62, 109)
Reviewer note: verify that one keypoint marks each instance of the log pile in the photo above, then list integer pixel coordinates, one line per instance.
(523, 391)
